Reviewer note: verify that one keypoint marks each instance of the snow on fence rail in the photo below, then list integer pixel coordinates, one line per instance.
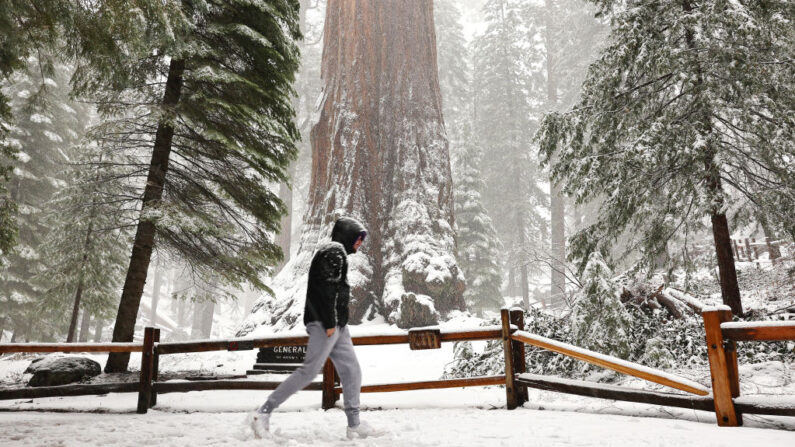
(70, 347)
(614, 363)
(759, 330)
(721, 335)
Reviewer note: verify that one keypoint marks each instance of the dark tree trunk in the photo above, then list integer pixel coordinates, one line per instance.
(70, 337)
(145, 234)
(85, 324)
(380, 154)
(81, 279)
(730, 290)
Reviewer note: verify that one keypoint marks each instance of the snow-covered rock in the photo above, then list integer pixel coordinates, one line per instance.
(52, 371)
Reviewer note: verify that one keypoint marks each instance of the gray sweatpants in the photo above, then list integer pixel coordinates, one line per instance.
(339, 348)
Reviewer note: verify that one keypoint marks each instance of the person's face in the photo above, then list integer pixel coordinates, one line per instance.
(357, 244)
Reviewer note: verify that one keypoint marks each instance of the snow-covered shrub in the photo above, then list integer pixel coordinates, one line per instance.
(659, 341)
(599, 321)
(652, 337)
(467, 363)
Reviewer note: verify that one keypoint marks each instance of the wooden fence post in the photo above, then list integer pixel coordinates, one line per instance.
(329, 395)
(145, 383)
(756, 249)
(155, 368)
(736, 250)
(748, 250)
(722, 367)
(518, 349)
(772, 251)
(512, 396)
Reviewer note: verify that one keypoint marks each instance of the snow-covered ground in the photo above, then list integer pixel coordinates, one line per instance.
(465, 426)
(454, 417)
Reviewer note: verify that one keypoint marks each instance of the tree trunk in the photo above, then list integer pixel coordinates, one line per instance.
(773, 251)
(557, 287)
(283, 238)
(99, 324)
(196, 321)
(379, 154)
(558, 232)
(145, 234)
(156, 293)
(730, 290)
(85, 324)
(70, 337)
(207, 319)
(181, 312)
(202, 324)
(81, 278)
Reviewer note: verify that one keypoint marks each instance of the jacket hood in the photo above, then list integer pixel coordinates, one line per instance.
(346, 231)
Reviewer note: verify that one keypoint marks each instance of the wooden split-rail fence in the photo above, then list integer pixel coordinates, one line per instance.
(749, 249)
(721, 337)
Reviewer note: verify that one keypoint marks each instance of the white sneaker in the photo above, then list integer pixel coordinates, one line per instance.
(363, 430)
(260, 424)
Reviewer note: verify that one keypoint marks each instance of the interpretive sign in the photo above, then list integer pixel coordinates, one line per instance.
(282, 354)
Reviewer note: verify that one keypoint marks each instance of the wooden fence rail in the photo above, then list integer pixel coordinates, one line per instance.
(70, 347)
(721, 338)
(759, 331)
(609, 362)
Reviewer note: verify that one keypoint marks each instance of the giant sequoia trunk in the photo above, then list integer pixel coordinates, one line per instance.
(379, 154)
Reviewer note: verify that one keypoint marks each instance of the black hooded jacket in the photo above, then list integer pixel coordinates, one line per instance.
(328, 292)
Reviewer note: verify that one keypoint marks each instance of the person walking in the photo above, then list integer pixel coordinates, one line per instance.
(326, 320)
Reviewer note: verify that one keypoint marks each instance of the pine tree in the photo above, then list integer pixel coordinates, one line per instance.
(198, 96)
(24, 26)
(688, 107)
(504, 126)
(478, 245)
(567, 37)
(455, 72)
(46, 126)
(85, 250)
(599, 320)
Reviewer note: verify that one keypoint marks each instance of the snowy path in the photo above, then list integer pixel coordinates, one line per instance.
(420, 427)
(457, 417)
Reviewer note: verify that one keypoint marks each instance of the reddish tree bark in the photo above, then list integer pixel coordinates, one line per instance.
(379, 154)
